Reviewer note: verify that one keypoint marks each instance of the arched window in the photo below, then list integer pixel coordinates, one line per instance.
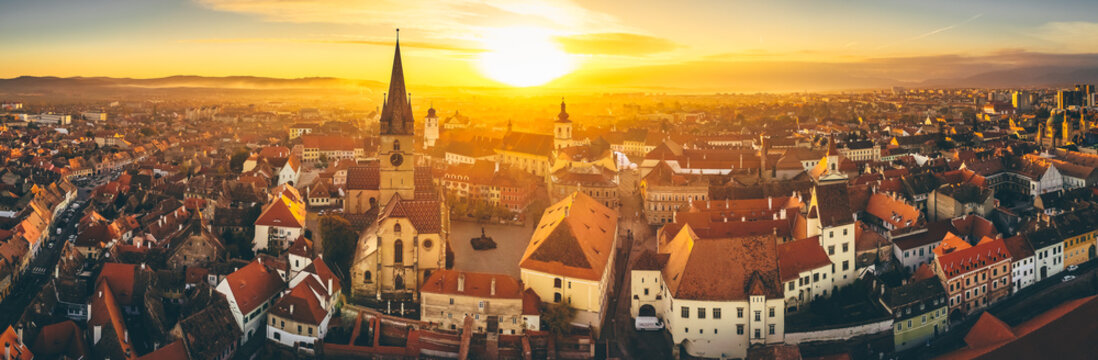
(398, 252)
(367, 276)
(396, 145)
(396, 228)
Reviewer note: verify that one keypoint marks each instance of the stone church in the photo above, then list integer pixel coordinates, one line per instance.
(408, 240)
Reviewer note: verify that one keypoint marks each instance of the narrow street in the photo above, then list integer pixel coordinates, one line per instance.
(40, 270)
(625, 341)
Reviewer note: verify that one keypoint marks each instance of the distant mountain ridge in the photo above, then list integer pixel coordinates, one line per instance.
(719, 77)
(184, 81)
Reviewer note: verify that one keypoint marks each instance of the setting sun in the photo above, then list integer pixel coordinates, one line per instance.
(523, 57)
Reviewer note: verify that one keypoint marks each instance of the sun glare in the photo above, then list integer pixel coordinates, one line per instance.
(523, 57)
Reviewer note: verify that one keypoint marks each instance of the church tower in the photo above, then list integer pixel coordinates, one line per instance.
(562, 129)
(430, 128)
(397, 150)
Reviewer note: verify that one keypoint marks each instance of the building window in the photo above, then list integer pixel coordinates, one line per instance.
(739, 313)
(771, 311)
(758, 315)
(758, 334)
(396, 145)
(557, 283)
(739, 329)
(398, 252)
(846, 247)
(396, 228)
(556, 298)
(685, 312)
(717, 313)
(771, 331)
(701, 313)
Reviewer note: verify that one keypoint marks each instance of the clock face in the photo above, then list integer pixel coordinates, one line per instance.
(396, 159)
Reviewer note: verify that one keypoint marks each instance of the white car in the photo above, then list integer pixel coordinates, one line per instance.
(648, 323)
(1073, 267)
(1068, 278)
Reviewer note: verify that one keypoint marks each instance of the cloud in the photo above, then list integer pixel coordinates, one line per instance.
(440, 19)
(386, 43)
(615, 44)
(1071, 36)
(1003, 68)
(933, 32)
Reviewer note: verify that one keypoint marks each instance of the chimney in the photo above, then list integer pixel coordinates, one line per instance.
(329, 286)
(97, 333)
(126, 336)
(19, 334)
(100, 294)
(461, 282)
(493, 291)
(7, 350)
(291, 309)
(770, 203)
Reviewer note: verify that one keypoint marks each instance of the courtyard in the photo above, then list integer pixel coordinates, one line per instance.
(504, 259)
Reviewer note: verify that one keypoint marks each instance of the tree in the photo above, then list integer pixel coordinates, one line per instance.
(236, 161)
(339, 241)
(558, 319)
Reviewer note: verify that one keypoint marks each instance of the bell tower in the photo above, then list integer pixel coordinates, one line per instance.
(562, 129)
(397, 150)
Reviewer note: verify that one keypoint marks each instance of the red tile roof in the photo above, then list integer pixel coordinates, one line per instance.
(302, 304)
(722, 269)
(60, 339)
(283, 212)
(425, 215)
(172, 351)
(575, 238)
(477, 285)
(106, 312)
(252, 285)
(367, 177)
(18, 350)
(965, 260)
(1065, 332)
(121, 279)
(802, 255)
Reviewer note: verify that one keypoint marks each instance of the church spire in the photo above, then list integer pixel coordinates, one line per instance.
(563, 116)
(396, 114)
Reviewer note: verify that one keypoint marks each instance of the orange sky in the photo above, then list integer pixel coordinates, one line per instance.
(693, 43)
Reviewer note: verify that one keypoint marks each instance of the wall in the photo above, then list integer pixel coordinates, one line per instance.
(844, 333)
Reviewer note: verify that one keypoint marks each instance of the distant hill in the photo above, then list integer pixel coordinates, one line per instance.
(32, 83)
(1040, 76)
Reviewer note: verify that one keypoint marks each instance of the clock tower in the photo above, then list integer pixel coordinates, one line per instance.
(397, 130)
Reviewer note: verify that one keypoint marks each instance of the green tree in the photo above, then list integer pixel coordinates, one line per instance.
(339, 241)
(558, 319)
(236, 161)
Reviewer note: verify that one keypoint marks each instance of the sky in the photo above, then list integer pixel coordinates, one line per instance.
(482, 43)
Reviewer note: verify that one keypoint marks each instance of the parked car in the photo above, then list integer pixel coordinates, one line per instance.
(648, 323)
(1068, 278)
(1073, 267)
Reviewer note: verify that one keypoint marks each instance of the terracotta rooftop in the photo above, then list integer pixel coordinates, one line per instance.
(478, 285)
(575, 238)
(722, 269)
(802, 255)
(252, 285)
(963, 261)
